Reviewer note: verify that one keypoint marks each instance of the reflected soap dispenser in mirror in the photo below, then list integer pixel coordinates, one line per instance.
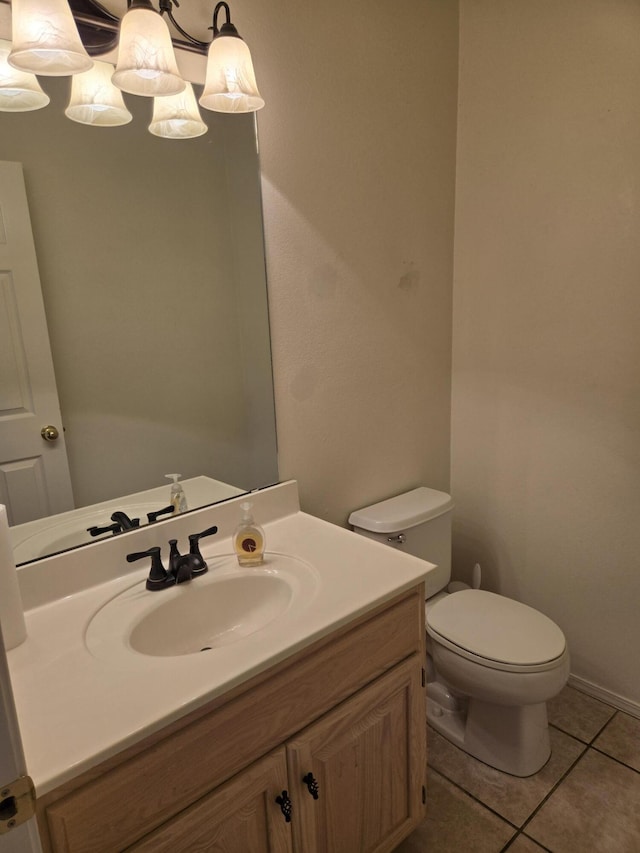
(177, 499)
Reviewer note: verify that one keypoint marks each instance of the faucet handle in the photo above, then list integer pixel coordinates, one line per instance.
(199, 564)
(109, 528)
(158, 578)
(153, 516)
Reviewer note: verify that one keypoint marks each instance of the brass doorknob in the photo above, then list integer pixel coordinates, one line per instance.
(49, 433)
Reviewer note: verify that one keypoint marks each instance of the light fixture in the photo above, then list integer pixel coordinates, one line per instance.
(146, 62)
(50, 36)
(147, 67)
(19, 90)
(177, 116)
(230, 85)
(45, 39)
(95, 100)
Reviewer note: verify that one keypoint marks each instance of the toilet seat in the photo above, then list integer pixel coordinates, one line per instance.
(496, 632)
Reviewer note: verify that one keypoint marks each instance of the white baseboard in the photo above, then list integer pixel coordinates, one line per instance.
(605, 695)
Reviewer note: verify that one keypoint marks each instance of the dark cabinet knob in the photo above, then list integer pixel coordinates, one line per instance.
(285, 805)
(311, 784)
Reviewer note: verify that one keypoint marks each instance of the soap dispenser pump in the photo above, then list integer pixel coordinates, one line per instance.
(177, 498)
(248, 540)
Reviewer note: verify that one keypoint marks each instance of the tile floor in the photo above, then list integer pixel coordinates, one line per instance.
(586, 799)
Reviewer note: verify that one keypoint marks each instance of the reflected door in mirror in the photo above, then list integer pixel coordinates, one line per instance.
(34, 473)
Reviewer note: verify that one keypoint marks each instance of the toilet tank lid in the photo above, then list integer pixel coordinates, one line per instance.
(403, 511)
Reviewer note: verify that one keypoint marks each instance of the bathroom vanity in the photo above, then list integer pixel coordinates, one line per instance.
(305, 734)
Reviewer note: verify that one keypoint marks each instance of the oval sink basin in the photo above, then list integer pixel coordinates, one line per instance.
(200, 618)
(227, 605)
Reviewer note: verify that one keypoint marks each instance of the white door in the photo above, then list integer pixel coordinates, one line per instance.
(34, 472)
(16, 836)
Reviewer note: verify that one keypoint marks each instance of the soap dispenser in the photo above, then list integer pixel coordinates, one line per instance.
(177, 499)
(248, 540)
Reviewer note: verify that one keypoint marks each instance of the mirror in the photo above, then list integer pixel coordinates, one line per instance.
(151, 260)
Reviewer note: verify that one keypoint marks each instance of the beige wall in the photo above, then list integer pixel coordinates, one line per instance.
(358, 155)
(546, 364)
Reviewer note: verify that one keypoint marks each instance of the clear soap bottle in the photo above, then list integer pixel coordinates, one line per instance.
(177, 498)
(248, 540)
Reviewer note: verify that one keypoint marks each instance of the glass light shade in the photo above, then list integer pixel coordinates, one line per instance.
(230, 85)
(19, 90)
(177, 116)
(45, 39)
(146, 62)
(95, 100)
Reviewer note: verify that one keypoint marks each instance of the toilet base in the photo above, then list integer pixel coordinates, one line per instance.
(513, 739)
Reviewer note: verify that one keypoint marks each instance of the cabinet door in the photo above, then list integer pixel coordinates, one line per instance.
(238, 817)
(368, 756)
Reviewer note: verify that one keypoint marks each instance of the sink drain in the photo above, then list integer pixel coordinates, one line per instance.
(205, 649)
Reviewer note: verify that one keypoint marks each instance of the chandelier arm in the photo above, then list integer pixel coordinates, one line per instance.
(194, 41)
(216, 12)
(166, 8)
(93, 8)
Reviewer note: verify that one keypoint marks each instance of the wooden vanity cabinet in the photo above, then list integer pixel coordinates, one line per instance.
(350, 710)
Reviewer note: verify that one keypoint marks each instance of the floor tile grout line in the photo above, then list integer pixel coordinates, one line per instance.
(475, 799)
(610, 720)
(555, 787)
(582, 740)
(586, 745)
(613, 758)
(527, 820)
(515, 838)
(592, 743)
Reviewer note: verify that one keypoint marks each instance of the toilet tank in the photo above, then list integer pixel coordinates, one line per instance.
(418, 522)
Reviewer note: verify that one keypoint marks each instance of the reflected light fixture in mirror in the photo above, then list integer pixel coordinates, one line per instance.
(177, 116)
(95, 100)
(20, 91)
(46, 41)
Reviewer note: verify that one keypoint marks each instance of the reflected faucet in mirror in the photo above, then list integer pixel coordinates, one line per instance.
(46, 536)
(122, 522)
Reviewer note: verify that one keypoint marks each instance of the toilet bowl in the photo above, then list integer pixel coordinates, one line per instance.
(496, 663)
(493, 662)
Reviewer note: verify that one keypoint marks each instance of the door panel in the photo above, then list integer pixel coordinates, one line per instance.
(238, 817)
(369, 767)
(34, 473)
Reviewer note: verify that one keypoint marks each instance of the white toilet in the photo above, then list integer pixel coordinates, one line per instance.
(493, 662)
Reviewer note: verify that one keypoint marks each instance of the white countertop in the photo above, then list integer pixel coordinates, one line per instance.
(76, 709)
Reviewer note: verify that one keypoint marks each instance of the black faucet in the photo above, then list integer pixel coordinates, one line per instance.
(182, 568)
(124, 521)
